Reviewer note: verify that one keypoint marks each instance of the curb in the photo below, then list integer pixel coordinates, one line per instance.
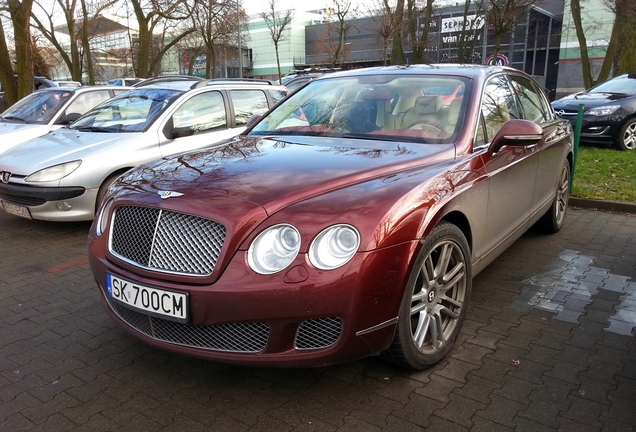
(614, 206)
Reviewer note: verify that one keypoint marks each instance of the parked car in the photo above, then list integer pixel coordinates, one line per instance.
(63, 83)
(62, 176)
(129, 82)
(609, 115)
(298, 79)
(348, 221)
(49, 109)
(39, 82)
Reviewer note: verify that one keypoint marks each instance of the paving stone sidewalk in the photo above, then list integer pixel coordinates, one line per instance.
(549, 345)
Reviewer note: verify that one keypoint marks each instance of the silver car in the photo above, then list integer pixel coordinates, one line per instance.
(63, 175)
(49, 109)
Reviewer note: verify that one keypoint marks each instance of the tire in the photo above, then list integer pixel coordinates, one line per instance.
(101, 193)
(435, 300)
(627, 138)
(552, 221)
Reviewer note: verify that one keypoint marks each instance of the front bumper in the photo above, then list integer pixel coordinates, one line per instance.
(603, 130)
(72, 203)
(301, 317)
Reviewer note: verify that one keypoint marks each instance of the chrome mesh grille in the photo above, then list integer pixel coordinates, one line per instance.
(166, 240)
(249, 337)
(318, 333)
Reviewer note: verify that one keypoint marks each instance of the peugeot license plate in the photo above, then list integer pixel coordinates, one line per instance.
(16, 210)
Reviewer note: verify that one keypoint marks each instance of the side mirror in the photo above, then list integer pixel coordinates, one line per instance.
(68, 118)
(517, 133)
(183, 131)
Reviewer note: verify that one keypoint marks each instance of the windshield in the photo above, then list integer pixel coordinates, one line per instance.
(132, 111)
(415, 108)
(37, 108)
(623, 84)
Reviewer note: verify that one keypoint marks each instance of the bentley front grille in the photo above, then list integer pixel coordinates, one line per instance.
(166, 241)
(246, 337)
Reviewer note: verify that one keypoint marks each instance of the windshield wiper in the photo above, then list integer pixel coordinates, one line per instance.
(12, 117)
(95, 129)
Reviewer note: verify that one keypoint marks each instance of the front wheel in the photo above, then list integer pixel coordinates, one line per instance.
(435, 300)
(627, 138)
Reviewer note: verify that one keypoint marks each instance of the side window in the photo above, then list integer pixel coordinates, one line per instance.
(480, 137)
(533, 104)
(248, 103)
(498, 105)
(277, 95)
(86, 101)
(204, 112)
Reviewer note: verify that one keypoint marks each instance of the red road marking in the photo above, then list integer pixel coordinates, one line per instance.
(64, 266)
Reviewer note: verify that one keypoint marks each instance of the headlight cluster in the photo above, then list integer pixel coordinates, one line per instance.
(602, 111)
(276, 247)
(54, 173)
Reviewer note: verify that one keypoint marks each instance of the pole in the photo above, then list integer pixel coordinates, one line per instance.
(577, 137)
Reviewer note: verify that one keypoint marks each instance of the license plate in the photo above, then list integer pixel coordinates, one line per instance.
(154, 301)
(16, 210)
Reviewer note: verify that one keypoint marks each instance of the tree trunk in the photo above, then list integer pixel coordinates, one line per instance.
(6, 71)
(21, 17)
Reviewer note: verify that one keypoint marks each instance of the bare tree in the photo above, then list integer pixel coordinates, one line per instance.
(503, 16)
(215, 22)
(625, 59)
(341, 9)
(277, 22)
(20, 15)
(383, 24)
(618, 49)
(418, 34)
(153, 18)
(397, 51)
(80, 27)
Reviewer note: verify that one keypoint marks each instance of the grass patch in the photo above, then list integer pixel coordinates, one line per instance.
(606, 174)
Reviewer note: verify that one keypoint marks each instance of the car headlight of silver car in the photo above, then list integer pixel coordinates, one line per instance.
(274, 249)
(602, 111)
(334, 247)
(53, 173)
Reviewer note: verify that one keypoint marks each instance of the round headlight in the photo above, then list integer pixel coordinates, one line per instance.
(101, 219)
(334, 247)
(274, 249)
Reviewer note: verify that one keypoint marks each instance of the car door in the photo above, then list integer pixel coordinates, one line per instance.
(512, 170)
(206, 115)
(552, 149)
(82, 103)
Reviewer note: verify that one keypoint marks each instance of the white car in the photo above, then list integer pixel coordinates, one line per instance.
(49, 109)
(63, 175)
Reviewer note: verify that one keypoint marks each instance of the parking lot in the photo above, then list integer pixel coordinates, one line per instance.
(549, 344)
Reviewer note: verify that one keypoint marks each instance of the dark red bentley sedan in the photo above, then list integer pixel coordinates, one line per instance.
(348, 221)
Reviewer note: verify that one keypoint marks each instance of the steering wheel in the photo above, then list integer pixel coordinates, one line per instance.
(426, 125)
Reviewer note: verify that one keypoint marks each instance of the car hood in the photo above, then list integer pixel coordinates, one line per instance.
(56, 147)
(274, 173)
(12, 134)
(590, 100)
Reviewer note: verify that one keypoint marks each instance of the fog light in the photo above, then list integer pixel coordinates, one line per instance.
(63, 206)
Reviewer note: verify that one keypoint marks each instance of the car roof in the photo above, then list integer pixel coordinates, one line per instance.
(425, 69)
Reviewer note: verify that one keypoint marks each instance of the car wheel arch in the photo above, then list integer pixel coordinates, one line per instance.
(106, 182)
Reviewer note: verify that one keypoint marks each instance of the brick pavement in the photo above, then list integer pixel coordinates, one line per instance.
(548, 345)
